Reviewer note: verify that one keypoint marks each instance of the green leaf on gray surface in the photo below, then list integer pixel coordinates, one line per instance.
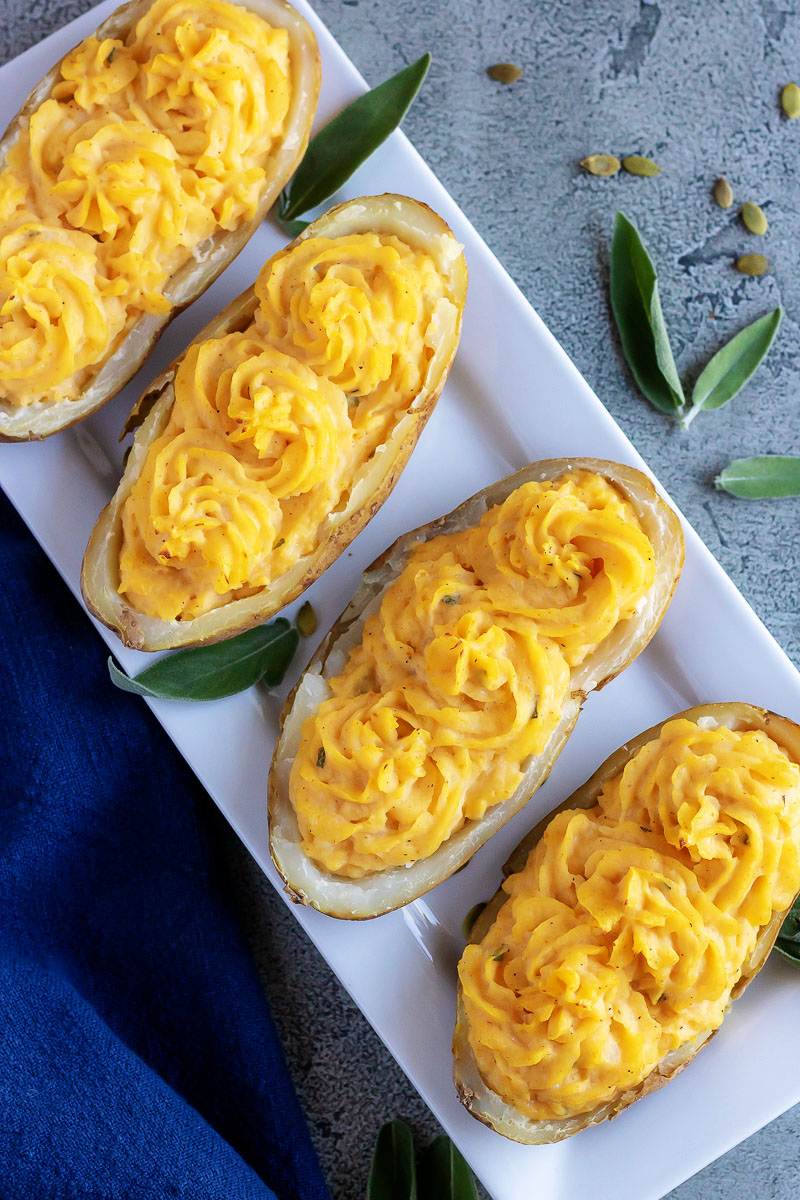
(213, 672)
(393, 1173)
(444, 1174)
(637, 311)
(732, 366)
(788, 940)
(348, 140)
(766, 477)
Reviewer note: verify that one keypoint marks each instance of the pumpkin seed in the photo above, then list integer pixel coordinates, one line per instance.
(723, 192)
(754, 218)
(634, 164)
(307, 619)
(504, 72)
(790, 99)
(601, 164)
(753, 264)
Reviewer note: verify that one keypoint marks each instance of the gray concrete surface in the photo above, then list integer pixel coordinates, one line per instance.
(694, 85)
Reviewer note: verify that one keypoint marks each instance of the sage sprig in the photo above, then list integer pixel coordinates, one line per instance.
(732, 366)
(765, 477)
(347, 141)
(442, 1174)
(393, 1174)
(637, 311)
(213, 672)
(787, 942)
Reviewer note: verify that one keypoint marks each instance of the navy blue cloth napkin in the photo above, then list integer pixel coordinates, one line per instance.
(138, 1058)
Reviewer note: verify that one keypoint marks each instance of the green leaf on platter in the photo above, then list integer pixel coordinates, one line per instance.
(444, 1174)
(393, 1174)
(349, 139)
(637, 311)
(788, 940)
(468, 924)
(731, 367)
(213, 672)
(292, 228)
(766, 477)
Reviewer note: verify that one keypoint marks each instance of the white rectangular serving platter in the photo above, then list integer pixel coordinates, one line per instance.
(513, 396)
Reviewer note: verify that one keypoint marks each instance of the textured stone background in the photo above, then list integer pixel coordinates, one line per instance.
(695, 85)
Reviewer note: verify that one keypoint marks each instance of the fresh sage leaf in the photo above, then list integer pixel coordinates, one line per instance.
(444, 1174)
(348, 140)
(788, 940)
(393, 1174)
(293, 228)
(468, 924)
(637, 311)
(731, 367)
(766, 477)
(213, 672)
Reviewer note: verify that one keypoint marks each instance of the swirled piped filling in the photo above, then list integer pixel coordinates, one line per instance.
(624, 935)
(146, 149)
(272, 427)
(462, 673)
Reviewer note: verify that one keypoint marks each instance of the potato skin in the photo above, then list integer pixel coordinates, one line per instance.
(389, 214)
(484, 1104)
(36, 422)
(388, 890)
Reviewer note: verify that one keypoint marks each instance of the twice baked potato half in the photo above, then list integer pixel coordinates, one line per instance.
(629, 920)
(133, 174)
(444, 693)
(268, 445)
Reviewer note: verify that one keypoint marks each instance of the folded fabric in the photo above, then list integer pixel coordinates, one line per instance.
(138, 1059)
